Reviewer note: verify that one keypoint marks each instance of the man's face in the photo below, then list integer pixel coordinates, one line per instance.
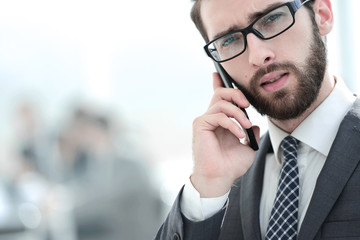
(282, 76)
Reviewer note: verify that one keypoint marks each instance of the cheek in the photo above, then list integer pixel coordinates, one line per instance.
(297, 54)
(238, 70)
(294, 44)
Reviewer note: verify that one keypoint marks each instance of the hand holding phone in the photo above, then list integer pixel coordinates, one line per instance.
(219, 157)
(227, 81)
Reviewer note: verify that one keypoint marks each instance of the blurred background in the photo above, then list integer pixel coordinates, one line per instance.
(97, 101)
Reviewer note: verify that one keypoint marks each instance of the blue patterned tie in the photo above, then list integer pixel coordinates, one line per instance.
(284, 215)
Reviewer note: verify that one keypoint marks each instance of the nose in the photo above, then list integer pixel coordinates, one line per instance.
(259, 54)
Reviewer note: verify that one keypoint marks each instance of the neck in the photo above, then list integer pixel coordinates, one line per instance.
(326, 88)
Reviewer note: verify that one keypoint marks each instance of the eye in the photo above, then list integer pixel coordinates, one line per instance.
(230, 40)
(271, 18)
(273, 22)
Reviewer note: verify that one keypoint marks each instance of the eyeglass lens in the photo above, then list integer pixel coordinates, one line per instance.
(268, 26)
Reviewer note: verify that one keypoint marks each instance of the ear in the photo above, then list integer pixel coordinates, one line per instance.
(324, 16)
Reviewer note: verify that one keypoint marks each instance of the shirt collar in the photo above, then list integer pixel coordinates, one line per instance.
(319, 129)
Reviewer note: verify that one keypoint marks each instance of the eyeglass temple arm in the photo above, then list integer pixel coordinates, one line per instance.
(297, 4)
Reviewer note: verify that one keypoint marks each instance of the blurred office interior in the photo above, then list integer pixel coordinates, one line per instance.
(96, 106)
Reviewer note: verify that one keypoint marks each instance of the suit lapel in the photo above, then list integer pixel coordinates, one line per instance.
(251, 188)
(343, 158)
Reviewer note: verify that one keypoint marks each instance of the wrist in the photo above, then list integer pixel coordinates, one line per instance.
(211, 187)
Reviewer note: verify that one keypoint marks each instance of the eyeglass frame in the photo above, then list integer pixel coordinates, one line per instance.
(293, 6)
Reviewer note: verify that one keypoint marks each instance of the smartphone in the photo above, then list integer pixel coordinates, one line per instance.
(227, 81)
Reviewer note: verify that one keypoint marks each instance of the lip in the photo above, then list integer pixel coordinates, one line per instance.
(274, 81)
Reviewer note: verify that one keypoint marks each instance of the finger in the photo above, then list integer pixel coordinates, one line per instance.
(230, 110)
(213, 121)
(230, 95)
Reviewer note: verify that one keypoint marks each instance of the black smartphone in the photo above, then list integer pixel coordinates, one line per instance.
(227, 81)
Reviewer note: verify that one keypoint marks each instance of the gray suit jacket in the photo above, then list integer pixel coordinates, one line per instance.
(334, 210)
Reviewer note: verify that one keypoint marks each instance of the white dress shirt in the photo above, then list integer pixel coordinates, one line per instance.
(316, 134)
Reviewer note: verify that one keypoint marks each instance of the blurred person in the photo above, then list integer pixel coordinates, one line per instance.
(29, 135)
(303, 183)
(113, 194)
(34, 203)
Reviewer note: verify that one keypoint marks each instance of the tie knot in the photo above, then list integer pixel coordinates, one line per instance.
(289, 146)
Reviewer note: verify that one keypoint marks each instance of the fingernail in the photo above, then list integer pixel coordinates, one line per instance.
(248, 121)
(245, 100)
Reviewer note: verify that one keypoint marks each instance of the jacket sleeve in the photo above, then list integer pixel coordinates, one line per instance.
(178, 227)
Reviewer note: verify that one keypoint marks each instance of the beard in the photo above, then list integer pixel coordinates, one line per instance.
(286, 104)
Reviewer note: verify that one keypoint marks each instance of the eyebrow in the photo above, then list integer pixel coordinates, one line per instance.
(250, 19)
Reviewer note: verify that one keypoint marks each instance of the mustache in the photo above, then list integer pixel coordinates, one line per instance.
(288, 66)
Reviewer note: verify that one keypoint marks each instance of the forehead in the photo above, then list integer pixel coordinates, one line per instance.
(220, 15)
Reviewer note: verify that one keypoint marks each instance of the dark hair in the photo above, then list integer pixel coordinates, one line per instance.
(196, 17)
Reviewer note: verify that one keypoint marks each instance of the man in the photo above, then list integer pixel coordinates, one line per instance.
(304, 182)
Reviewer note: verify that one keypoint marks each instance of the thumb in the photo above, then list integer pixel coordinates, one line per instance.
(256, 130)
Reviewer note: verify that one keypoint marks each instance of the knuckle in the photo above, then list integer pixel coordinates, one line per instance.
(196, 121)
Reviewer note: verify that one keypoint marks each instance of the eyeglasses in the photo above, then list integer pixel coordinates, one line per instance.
(267, 26)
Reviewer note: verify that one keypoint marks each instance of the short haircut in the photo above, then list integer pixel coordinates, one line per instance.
(196, 17)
